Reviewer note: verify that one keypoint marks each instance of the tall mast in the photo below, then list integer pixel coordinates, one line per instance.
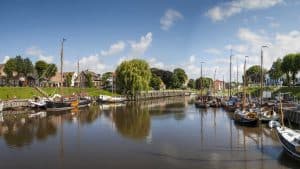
(201, 80)
(230, 74)
(214, 83)
(62, 61)
(237, 75)
(261, 73)
(245, 83)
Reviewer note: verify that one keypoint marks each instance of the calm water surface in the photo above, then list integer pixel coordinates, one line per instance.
(169, 133)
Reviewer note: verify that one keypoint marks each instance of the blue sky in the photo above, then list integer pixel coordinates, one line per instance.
(167, 33)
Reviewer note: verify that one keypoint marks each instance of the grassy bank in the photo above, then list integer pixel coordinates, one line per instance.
(29, 92)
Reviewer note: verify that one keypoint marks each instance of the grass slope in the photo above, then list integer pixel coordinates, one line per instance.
(29, 92)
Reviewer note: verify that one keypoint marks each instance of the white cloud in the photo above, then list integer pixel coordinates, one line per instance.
(92, 63)
(139, 48)
(156, 64)
(169, 18)
(5, 59)
(37, 52)
(226, 10)
(213, 51)
(114, 49)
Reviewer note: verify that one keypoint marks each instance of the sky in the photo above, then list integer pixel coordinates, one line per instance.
(167, 33)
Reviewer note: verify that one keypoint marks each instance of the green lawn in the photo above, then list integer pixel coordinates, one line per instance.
(29, 92)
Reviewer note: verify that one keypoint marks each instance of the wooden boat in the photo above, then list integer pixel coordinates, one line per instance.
(111, 99)
(84, 102)
(245, 118)
(268, 115)
(290, 140)
(215, 104)
(39, 103)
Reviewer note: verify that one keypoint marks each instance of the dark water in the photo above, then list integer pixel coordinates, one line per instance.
(168, 133)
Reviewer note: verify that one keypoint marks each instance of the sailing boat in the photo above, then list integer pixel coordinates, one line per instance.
(62, 103)
(289, 138)
(243, 116)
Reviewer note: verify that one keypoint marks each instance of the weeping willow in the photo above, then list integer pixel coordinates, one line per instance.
(133, 76)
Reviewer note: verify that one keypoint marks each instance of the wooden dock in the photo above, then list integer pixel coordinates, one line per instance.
(292, 114)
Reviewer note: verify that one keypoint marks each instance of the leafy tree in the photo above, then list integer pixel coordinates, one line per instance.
(68, 79)
(133, 76)
(253, 73)
(206, 82)
(155, 82)
(40, 67)
(275, 71)
(89, 79)
(191, 84)
(287, 66)
(9, 68)
(181, 76)
(50, 71)
(165, 76)
(28, 67)
(175, 82)
(105, 78)
(19, 65)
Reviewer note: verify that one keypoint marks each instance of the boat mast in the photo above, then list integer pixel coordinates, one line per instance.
(244, 88)
(201, 80)
(61, 62)
(282, 115)
(237, 75)
(230, 73)
(214, 93)
(261, 73)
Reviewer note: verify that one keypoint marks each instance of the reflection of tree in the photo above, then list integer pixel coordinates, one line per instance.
(18, 134)
(45, 128)
(179, 116)
(89, 115)
(133, 122)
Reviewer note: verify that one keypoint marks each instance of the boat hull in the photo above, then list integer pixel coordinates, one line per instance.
(290, 148)
(244, 121)
(58, 106)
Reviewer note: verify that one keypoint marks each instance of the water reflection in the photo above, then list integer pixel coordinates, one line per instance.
(166, 133)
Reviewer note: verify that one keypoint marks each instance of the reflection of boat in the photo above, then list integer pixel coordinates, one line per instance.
(290, 140)
(201, 104)
(37, 114)
(1, 105)
(84, 102)
(215, 104)
(111, 99)
(246, 118)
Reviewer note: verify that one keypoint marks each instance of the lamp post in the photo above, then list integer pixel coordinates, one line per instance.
(261, 73)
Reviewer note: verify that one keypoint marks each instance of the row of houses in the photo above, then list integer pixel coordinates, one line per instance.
(77, 80)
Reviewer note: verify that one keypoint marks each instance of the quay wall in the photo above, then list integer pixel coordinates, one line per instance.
(146, 95)
(15, 103)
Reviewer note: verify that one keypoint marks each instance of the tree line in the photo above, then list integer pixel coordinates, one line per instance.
(23, 67)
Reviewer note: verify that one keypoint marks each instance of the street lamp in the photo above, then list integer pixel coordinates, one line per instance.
(261, 73)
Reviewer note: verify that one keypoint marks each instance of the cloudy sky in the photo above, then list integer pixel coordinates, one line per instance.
(166, 33)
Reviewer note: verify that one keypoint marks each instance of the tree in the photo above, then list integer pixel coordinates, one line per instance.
(253, 74)
(206, 82)
(164, 75)
(68, 79)
(19, 65)
(155, 82)
(40, 67)
(287, 66)
(50, 71)
(191, 84)
(9, 68)
(105, 78)
(133, 76)
(275, 71)
(181, 76)
(175, 82)
(28, 67)
(89, 80)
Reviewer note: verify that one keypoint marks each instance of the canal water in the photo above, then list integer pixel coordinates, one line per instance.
(167, 133)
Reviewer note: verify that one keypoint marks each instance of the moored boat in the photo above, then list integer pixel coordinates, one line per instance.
(245, 118)
(268, 115)
(290, 140)
(111, 99)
